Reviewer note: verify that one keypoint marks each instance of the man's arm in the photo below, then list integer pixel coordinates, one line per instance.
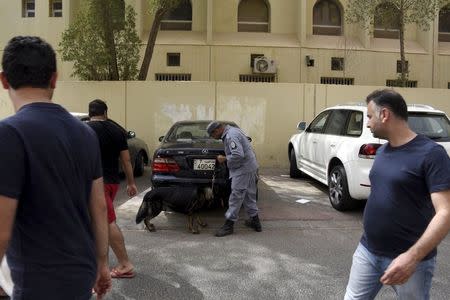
(97, 210)
(8, 207)
(128, 169)
(405, 264)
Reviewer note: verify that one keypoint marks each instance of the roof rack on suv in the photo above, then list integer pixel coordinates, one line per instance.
(352, 104)
(421, 106)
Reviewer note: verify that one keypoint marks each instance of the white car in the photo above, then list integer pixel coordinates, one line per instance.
(338, 149)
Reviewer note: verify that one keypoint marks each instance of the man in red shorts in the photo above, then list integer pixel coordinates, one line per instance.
(113, 145)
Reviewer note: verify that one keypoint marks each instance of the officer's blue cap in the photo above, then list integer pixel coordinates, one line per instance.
(212, 126)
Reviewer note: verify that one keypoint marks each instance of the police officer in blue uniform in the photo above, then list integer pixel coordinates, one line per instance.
(241, 161)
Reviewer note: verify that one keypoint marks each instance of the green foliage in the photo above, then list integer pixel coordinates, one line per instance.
(394, 14)
(162, 4)
(84, 43)
(420, 12)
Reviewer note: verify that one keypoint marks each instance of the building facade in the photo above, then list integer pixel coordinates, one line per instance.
(284, 41)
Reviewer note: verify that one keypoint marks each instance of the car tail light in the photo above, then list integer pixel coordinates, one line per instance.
(165, 165)
(368, 150)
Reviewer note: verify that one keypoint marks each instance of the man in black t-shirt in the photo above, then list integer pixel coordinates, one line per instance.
(113, 146)
(52, 207)
(407, 213)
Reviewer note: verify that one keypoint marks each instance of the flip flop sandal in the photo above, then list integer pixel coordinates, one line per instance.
(117, 274)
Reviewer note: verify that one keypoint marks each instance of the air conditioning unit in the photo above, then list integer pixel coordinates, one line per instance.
(264, 65)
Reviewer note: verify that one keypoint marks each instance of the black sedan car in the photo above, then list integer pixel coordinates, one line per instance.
(187, 157)
(138, 148)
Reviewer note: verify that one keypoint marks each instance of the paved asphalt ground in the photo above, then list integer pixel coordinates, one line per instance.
(304, 251)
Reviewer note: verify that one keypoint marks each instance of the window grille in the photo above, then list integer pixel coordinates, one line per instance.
(337, 80)
(397, 83)
(444, 24)
(386, 21)
(173, 59)
(257, 78)
(179, 18)
(55, 8)
(28, 9)
(399, 66)
(337, 63)
(327, 18)
(172, 77)
(253, 16)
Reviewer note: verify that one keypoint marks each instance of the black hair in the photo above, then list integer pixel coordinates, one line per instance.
(390, 99)
(97, 107)
(28, 61)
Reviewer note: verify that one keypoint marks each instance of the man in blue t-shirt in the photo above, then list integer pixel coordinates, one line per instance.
(407, 213)
(52, 206)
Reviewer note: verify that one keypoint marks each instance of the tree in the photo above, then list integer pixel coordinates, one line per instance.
(158, 8)
(394, 12)
(102, 42)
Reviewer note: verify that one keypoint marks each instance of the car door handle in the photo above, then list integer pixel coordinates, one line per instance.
(314, 142)
(332, 145)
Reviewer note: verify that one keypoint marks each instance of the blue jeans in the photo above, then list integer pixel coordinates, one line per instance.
(367, 269)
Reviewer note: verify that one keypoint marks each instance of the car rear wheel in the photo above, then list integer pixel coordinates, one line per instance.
(294, 172)
(139, 164)
(338, 189)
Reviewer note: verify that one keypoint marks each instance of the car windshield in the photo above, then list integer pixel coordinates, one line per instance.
(187, 132)
(434, 126)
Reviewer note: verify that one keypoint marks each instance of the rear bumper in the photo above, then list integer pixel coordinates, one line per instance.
(358, 178)
(159, 180)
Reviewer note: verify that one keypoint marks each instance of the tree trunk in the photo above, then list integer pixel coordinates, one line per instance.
(404, 71)
(151, 43)
(109, 40)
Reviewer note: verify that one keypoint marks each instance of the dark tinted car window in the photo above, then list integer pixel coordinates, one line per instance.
(434, 126)
(337, 122)
(191, 131)
(319, 122)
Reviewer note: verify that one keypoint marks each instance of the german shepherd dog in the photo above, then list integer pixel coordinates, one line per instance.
(184, 199)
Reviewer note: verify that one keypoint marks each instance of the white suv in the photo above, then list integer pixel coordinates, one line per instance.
(338, 149)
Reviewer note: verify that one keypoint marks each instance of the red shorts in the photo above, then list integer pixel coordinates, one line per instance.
(110, 194)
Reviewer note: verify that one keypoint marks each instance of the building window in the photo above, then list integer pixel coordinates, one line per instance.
(253, 16)
(337, 63)
(179, 18)
(173, 59)
(399, 66)
(386, 21)
(397, 83)
(444, 24)
(337, 80)
(172, 77)
(257, 78)
(28, 8)
(55, 8)
(327, 18)
(252, 59)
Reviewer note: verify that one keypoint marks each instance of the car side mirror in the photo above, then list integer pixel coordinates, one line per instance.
(161, 138)
(249, 139)
(301, 126)
(131, 134)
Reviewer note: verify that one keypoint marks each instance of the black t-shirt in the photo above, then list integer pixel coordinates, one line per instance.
(48, 160)
(113, 140)
(399, 207)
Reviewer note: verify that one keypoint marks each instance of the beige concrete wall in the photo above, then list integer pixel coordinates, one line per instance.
(229, 62)
(269, 113)
(152, 107)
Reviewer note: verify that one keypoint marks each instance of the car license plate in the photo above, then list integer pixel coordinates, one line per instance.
(204, 164)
